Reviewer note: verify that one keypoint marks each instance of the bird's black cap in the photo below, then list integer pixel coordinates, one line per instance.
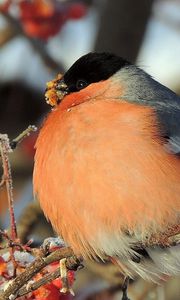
(92, 67)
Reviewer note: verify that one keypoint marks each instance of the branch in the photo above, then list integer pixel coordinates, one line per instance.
(170, 237)
(22, 136)
(5, 149)
(72, 264)
(36, 266)
(34, 286)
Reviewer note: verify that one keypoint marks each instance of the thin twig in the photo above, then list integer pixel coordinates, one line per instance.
(4, 234)
(15, 244)
(22, 136)
(5, 149)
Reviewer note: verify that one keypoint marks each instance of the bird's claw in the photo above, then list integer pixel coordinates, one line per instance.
(64, 278)
(124, 289)
(66, 290)
(51, 243)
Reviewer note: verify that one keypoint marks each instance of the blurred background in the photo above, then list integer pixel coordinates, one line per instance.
(40, 38)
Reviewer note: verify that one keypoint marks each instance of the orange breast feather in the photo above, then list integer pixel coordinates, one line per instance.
(100, 167)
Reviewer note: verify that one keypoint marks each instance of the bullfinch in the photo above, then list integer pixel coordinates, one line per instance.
(107, 165)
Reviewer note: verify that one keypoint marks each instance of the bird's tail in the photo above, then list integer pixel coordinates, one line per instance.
(157, 266)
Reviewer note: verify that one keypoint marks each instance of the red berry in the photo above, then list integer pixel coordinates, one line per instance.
(77, 11)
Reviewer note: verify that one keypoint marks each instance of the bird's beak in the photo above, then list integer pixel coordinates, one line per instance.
(56, 90)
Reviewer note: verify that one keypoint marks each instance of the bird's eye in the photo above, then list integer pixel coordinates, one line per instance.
(81, 84)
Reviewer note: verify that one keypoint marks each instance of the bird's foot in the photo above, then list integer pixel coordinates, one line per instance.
(64, 278)
(52, 243)
(124, 289)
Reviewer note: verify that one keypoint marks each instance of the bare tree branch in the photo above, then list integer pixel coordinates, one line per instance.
(5, 149)
(35, 285)
(35, 267)
(22, 136)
